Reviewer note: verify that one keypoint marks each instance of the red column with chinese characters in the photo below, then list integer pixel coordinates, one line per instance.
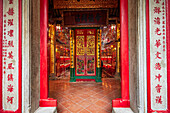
(158, 53)
(10, 32)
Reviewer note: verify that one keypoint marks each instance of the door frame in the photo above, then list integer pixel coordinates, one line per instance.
(124, 53)
(82, 78)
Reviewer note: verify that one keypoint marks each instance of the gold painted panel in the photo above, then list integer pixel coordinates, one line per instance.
(80, 45)
(90, 45)
(52, 48)
(71, 49)
(99, 48)
(118, 31)
(80, 32)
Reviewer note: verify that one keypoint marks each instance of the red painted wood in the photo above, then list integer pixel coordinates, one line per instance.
(124, 55)
(124, 49)
(43, 49)
(168, 48)
(20, 56)
(50, 102)
(44, 101)
(148, 56)
(121, 103)
(84, 34)
(1, 29)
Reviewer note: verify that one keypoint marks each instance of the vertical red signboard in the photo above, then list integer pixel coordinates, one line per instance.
(157, 15)
(10, 56)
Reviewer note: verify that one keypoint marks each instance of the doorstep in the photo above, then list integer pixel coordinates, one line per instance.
(122, 110)
(46, 110)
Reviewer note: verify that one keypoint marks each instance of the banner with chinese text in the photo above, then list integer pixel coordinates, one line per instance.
(158, 55)
(11, 56)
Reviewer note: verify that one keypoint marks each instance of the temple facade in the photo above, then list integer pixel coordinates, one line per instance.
(81, 56)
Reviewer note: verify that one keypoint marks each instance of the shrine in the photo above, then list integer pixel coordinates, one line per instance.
(84, 56)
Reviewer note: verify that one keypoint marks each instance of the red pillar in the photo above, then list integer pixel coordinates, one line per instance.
(124, 61)
(44, 100)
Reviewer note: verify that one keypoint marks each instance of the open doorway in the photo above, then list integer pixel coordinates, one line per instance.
(81, 19)
(84, 58)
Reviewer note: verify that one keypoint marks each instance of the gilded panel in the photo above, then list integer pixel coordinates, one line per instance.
(80, 45)
(91, 45)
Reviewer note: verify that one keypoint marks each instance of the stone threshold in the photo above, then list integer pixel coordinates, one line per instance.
(54, 110)
(122, 110)
(46, 110)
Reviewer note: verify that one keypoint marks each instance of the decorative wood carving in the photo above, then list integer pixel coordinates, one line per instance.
(62, 4)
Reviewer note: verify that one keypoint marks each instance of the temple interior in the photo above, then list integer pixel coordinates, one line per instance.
(84, 55)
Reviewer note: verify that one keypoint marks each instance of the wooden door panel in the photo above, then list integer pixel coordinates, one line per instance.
(90, 63)
(80, 65)
(85, 52)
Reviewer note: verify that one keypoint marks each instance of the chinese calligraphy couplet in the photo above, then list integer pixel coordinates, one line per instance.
(158, 56)
(10, 55)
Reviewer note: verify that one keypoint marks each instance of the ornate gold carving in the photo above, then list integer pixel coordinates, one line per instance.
(118, 31)
(99, 48)
(90, 45)
(71, 49)
(117, 49)
(80, 45)
(80, 32)
(62, 4)
(91, 32)
(52, 48)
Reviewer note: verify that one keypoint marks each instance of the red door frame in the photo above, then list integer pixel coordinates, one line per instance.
(122, 102)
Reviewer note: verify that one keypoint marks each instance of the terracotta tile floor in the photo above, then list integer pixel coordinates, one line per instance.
(84, 97)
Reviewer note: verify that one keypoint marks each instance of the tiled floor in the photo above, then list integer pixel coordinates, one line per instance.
(85, 97)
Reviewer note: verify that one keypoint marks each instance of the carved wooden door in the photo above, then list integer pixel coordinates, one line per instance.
(85, 52)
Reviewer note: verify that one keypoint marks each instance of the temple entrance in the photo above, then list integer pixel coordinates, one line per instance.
(85, 52)
(83, 42)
